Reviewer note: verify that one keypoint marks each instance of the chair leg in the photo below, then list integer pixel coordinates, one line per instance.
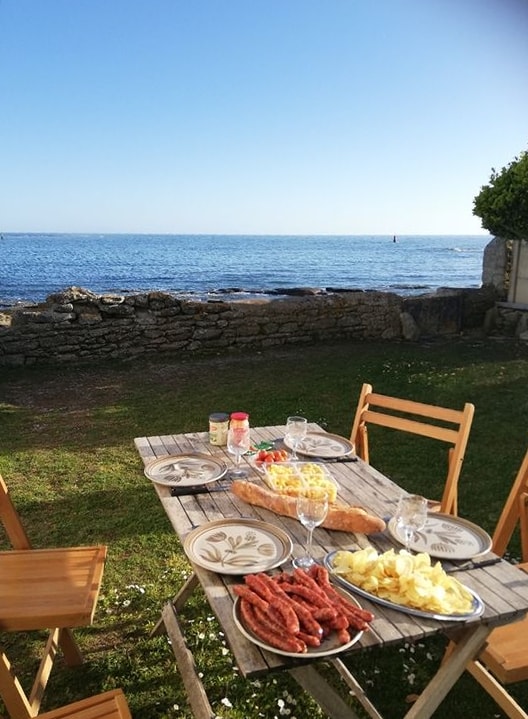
(70, 648)
(13, 696)
(495, 689)
(46, 665)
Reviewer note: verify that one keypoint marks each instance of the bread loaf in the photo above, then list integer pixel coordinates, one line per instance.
(340, 516)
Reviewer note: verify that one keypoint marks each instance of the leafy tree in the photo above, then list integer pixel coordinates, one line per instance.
(503, 204)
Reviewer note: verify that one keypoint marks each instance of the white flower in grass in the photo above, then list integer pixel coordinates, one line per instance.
(201, 636)
(224, 651)
(227, 703)
(410, 678)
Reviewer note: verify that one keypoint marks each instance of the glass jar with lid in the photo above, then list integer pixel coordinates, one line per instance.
(239, 420)
(218, 426)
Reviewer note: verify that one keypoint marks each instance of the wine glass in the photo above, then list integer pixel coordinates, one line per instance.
(238, 443)
(411, 516)
(296, 428)
(312, 508)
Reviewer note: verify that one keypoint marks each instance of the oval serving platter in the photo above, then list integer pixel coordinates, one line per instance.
(323, 444)
(446, 537)
(182, 470)
(476, 611)
(329, 646)
(238, 546)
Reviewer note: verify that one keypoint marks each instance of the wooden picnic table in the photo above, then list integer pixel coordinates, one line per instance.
(502, 587)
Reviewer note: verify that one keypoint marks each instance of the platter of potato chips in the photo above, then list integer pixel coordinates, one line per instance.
(411, 583)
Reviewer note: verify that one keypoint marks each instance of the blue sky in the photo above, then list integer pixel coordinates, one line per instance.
(257, 116)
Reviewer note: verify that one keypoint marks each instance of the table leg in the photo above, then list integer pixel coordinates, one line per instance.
(329, 700)
(185, 661)
(468, 646)
(356, 689)
(178, 601)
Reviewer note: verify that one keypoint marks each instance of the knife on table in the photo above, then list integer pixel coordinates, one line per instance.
(473, 565)
(328, 460)
(199, 489)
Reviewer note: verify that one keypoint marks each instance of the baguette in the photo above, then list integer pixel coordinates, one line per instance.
(340, 516)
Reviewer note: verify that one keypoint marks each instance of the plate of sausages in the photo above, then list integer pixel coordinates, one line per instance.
(298, 613)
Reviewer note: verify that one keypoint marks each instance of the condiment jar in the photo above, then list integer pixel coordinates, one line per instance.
(239, 420)
(218, 426)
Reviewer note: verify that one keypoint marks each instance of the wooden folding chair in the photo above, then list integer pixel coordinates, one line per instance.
(447, 425)
(42, 589)
(110, 705)
(504, 659)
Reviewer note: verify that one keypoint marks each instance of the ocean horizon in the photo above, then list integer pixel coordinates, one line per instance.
(207, 267)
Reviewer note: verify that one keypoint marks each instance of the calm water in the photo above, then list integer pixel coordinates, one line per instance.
(205, 266)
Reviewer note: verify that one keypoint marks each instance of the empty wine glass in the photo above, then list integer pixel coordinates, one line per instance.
(411, 516)
(312, 508)
(296, 428)
(238, 443)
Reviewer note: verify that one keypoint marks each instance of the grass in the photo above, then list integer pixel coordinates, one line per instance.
(67, 454)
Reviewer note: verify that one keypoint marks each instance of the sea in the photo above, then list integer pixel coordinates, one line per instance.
(211, 267)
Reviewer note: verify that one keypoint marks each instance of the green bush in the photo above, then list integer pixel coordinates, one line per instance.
(502, 205)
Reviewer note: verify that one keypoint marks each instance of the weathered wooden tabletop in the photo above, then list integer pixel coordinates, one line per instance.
(502, 587)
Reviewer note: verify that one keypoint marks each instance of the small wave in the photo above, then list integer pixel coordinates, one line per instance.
(404, 286)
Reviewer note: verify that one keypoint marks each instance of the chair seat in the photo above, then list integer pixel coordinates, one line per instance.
(49, 587)
(110, 705)
(506, 654)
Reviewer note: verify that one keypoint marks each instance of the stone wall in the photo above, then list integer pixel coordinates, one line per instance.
(77, 325)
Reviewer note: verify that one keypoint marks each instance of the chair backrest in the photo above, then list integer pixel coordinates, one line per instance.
(515, 512)
(109, 705)
(11, 520)
(441, 423)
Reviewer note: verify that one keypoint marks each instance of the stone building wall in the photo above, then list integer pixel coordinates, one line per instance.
(77, 325)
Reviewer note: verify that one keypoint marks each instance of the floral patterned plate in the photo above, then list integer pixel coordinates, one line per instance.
(446, 537)
(184, 470)
(238, 546)
(323, 444)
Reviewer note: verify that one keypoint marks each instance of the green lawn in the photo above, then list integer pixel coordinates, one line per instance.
(67, 454)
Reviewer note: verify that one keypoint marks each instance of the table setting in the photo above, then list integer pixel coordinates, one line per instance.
(237, 528)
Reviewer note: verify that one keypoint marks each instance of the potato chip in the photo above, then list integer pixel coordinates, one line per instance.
(403, 578)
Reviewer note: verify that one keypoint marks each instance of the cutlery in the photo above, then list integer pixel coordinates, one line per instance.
(329, 460)
(473, 565)
(198, 489)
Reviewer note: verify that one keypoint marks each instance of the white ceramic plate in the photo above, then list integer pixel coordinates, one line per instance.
(446, 537)
(329, 645)
(182, 470)
(238, 546)
(322, 444)
(476, 611)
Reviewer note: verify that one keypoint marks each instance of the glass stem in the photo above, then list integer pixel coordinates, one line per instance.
(408, 537)
(309, 545)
